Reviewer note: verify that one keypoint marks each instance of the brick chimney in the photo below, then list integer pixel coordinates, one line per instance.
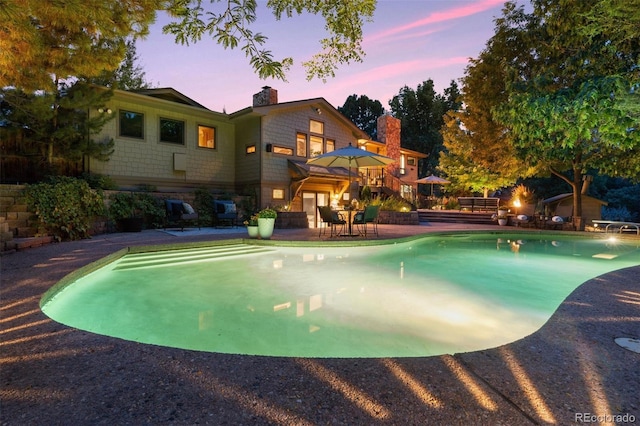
(267, 96)
(389, 134)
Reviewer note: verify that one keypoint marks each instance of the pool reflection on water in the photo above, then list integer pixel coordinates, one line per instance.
(435, 295)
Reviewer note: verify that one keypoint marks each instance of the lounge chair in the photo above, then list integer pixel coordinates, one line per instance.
(526, 215)
(179, 213)
(225, 212)
(367, 217)
(561, 216)
(330, 219)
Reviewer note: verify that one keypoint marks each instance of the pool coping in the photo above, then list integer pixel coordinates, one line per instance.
(570, 367)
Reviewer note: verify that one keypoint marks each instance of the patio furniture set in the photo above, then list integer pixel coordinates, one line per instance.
(336, 221)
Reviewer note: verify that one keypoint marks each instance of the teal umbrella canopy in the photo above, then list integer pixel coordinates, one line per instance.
(350, 156)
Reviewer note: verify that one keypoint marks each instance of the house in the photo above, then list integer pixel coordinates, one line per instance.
(591, 207)
(165, 139)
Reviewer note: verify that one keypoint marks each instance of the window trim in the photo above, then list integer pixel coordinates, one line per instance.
(320, 123)
(306, 142)
(120, 135)
(160, 119)
(284, 150)
(215, 136)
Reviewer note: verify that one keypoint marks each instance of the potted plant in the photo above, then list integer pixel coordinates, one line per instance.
(252, 226)
(502, 217)
(266, 222)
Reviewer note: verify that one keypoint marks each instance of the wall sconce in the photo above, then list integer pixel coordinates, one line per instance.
(318, 111)
(103, 110)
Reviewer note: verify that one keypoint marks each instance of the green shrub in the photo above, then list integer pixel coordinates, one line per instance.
(203, 203)
(98, 181)
(137, 204)
(395, 204)
(65, 206)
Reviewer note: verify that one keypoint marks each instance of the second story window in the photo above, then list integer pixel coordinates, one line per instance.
(315, 145)
(301, 145)
(172, 131)
(206, 137)
(316, 127)
(131, 124)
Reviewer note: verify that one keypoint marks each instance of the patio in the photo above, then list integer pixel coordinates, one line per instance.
(570, 371)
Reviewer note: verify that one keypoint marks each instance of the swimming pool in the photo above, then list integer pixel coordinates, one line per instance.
(429, 296)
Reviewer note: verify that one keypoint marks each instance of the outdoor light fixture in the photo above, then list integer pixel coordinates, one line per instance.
(319, 111)
(107, 110)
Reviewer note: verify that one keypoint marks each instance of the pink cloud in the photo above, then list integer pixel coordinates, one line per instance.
(390, 71)
(438, 17)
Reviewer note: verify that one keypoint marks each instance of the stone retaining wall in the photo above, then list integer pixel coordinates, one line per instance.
(398, 218)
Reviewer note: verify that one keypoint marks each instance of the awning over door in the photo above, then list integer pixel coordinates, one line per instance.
(302, 173)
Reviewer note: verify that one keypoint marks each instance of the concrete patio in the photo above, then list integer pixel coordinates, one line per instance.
(569, 372)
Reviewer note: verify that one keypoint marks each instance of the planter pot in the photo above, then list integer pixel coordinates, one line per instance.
(503, 212)
(131, 224)
(253, 231)
(265, 227)
(502, 222)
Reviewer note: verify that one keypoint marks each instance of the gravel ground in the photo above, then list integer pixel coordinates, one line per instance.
(568, 372)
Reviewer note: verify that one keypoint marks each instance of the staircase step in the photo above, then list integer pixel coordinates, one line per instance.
(455, 216)
(186, 256)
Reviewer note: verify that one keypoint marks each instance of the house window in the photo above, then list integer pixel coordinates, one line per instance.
(172, 131)
(301, 145)
(206, 137)
(316, 127)
(282, 150)
(250, 149)
(315, 145)
(331, 145)
(131, 124)
(278, 194)
(411, 161)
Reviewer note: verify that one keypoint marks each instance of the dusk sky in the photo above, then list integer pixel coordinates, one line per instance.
(408, 42)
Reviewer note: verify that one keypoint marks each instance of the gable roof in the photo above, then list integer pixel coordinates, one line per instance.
(319, 104)
(169, 94)
(561, 197)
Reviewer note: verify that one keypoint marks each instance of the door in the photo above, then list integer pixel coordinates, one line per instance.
(310, 203)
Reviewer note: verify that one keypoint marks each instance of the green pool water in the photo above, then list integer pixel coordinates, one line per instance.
(435, 295)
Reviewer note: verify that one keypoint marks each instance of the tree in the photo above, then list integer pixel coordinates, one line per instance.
(567, 115)
(59, 122)
(128, 76)
(421, 114)
(45, 42)
(230, 26)
(363, 112)
(478, 154)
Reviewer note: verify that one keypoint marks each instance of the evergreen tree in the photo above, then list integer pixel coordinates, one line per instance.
(421, 113)
(128, 76)
(46, 42)
(363, 112)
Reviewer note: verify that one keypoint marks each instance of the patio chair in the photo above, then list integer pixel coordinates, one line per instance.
(561, 216)
(367, 217)
(224, 212)
(526, 215)
(179, 213)
(331, 219)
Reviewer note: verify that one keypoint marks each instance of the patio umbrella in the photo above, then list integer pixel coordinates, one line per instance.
(350, 157)
(433, 180)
